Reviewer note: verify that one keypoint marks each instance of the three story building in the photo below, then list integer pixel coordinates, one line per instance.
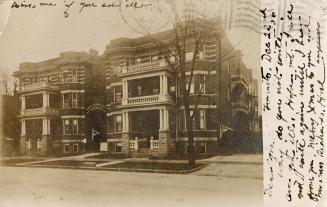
(139, 101)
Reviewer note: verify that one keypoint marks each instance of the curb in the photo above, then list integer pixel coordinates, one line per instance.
(112, 169)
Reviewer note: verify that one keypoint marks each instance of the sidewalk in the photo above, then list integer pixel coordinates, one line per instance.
(236, 166)
(237, 158)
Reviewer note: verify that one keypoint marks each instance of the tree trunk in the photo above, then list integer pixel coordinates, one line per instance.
(189, 121)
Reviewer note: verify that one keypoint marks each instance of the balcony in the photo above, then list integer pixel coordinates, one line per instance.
(240, 106)
(141, 67)
(40, 111)
(143, 100)
(39, 86)
(240, 78)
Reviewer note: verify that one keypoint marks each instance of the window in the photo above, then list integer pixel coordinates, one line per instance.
(71, 126)
(203, 147)
(67, 100)
(74, 100)
(66, 77)
(202, 85)
(189, 56)
(67, 127)
(117, 93)
(118, 146)
(139, 90)
(66, 148)
(74, 75)
(75, 148)
(191, 84)
(118, 123)
(202, 119)
(75, 126)
(193, 120)
(201, 55)
(70, 100)
(34, 101)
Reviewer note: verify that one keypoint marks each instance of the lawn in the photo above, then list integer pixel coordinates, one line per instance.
(18, 161)
(71, 163)
(153, 166)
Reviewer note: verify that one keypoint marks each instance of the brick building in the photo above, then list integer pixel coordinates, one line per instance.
(9, 137)
(129, 99)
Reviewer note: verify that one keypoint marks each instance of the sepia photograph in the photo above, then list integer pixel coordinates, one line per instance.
(131, 103)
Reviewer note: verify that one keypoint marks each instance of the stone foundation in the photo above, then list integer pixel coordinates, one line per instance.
(23, 145)
(125, 144)
(167, 144)
(46, 145)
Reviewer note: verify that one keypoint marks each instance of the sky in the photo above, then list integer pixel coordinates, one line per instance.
(38, 34)
(32, 35)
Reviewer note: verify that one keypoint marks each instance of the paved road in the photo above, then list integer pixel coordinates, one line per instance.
(23, 186)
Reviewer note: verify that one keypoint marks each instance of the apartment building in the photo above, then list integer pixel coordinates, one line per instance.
(145, 115)
(128, 99)
(52, 96)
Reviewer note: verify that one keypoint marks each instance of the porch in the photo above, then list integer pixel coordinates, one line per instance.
(147, 133)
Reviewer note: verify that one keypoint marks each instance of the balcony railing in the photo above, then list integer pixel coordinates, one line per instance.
(144, 99)
(141, 67)
(240, 78)
(133, 144)
(147, 100)
(40, 111)
(154, 144)
(40, 85)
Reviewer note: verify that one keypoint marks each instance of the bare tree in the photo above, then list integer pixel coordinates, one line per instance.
(8, 83)
(188, 36)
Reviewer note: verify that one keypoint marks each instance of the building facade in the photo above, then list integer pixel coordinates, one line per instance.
(139, 102)
(52, 95)
(9, 138)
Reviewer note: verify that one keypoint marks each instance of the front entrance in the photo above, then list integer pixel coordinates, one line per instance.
(144, 127)
(95, 128)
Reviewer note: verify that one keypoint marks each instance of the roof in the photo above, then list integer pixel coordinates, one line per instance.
(64, 57)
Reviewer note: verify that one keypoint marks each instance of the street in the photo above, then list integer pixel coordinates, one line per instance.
(24, 186)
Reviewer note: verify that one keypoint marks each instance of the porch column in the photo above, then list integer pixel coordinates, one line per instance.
(45, 100)
(45, 126)
(165, 84)
(167, 119)
(125, 134)
(23, 124)
(23, 103)
(164, 119)
(125, 89)
(161, 120)
(161, 84)
(167, 145)
(125, 122)
(125, 92)
(49, 126)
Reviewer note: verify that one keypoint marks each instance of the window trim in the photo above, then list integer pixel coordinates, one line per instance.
(71, 124)
(116, 123)
(77, 147)
(72, 103)
(66, 151)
